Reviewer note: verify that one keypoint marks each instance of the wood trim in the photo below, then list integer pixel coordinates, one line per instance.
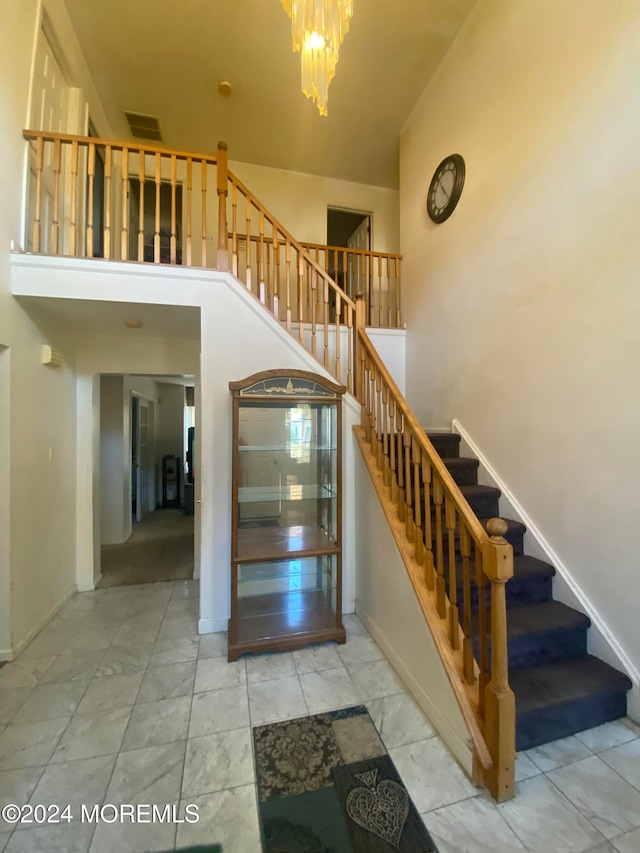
(241, 384)
(453, 662)
(117, 145)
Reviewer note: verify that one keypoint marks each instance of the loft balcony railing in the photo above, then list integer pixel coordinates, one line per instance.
(97, 198)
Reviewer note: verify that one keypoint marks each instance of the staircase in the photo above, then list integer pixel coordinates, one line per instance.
(560, 689)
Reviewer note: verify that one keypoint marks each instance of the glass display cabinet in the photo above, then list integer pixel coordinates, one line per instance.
(286, 567)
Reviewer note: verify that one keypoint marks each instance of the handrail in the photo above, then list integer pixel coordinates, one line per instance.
(116, 145)
(452, 549)
(390, 255)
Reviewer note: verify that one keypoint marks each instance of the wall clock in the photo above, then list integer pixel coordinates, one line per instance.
(445, 188)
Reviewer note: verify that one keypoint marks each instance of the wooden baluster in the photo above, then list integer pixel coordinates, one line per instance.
(287, 275)
(393, 479)
(55, 222)
(389, 311)
(360, 321)
(124, 213)
(429, 562)
(37, 213)
(351, 345)
(156, 230)
(483, 658)
(467, 643)
(385, 435)
(325, 308)
(380, 323)
(268, 280)
(500, 707)
(401, 499)
(335, 267)
(91, 171)
(73, 214)
(107, 201)
(234, 227)
(203, 172)
(314, 284)
(418, 541)
(141, 179)
(261, 288)
(338, 370)
(379, 450)
(300, 295)
(450, 521)
(441, 597)
(247, 255)
(222, 186)
(173, 242)
(277, 273)
(189, 209)
(397, 268)
(364, 284)
(408, 492)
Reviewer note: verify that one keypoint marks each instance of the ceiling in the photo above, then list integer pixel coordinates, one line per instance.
(91, 317)
(165, 59)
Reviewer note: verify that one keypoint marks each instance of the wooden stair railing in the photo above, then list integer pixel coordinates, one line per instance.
(276, 268)
(375, 274)
(122, 200)
(452, 550)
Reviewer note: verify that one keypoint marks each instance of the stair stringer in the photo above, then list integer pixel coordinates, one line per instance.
(602, 642)
(388, 606)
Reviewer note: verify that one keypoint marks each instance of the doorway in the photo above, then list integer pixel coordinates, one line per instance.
(146, 535)
(348, 229)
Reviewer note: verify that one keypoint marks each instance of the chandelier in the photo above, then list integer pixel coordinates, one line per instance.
(318, 28)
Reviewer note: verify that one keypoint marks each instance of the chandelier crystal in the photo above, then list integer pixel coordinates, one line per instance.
(318, 28)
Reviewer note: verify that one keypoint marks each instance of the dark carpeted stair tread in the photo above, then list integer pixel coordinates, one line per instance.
(560, 682)
(463, 469)
(527, 567)
(445, 443)
(475, 491)
(546, 616)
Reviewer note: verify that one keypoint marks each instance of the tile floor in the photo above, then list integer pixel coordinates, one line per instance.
(119, 700)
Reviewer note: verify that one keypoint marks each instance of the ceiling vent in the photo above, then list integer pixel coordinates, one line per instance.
(144, 127)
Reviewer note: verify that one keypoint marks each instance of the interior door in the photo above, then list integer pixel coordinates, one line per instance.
(357, 278)
(143, 461)
(49, 112)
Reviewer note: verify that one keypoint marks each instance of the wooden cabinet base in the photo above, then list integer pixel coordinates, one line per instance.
(285, 643)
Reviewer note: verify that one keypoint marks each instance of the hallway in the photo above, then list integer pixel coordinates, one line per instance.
(119, 700)
(160, 548)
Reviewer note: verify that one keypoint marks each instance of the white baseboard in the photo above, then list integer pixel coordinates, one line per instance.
(460, 749)
(24, 642)
(6, 654)
(212, 626)
(602, 641)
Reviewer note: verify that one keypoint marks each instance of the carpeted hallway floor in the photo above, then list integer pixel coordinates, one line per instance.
(159, 549)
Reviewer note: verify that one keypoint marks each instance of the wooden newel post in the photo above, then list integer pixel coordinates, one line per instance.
(361, 322)
(222, 257)
(500, 703)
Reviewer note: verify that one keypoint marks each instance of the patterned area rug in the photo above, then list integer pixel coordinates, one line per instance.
(327, 785)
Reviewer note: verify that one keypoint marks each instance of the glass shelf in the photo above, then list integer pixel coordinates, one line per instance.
(298, 492)
(258, 543)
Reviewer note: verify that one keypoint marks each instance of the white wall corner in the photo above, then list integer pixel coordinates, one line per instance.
(212, 626)
(24, 642)
(602, 642)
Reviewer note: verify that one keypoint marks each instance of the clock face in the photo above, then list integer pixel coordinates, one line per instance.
(445, 188)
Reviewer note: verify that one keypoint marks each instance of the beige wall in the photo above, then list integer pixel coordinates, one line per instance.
(299, 201)
(523, 307)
